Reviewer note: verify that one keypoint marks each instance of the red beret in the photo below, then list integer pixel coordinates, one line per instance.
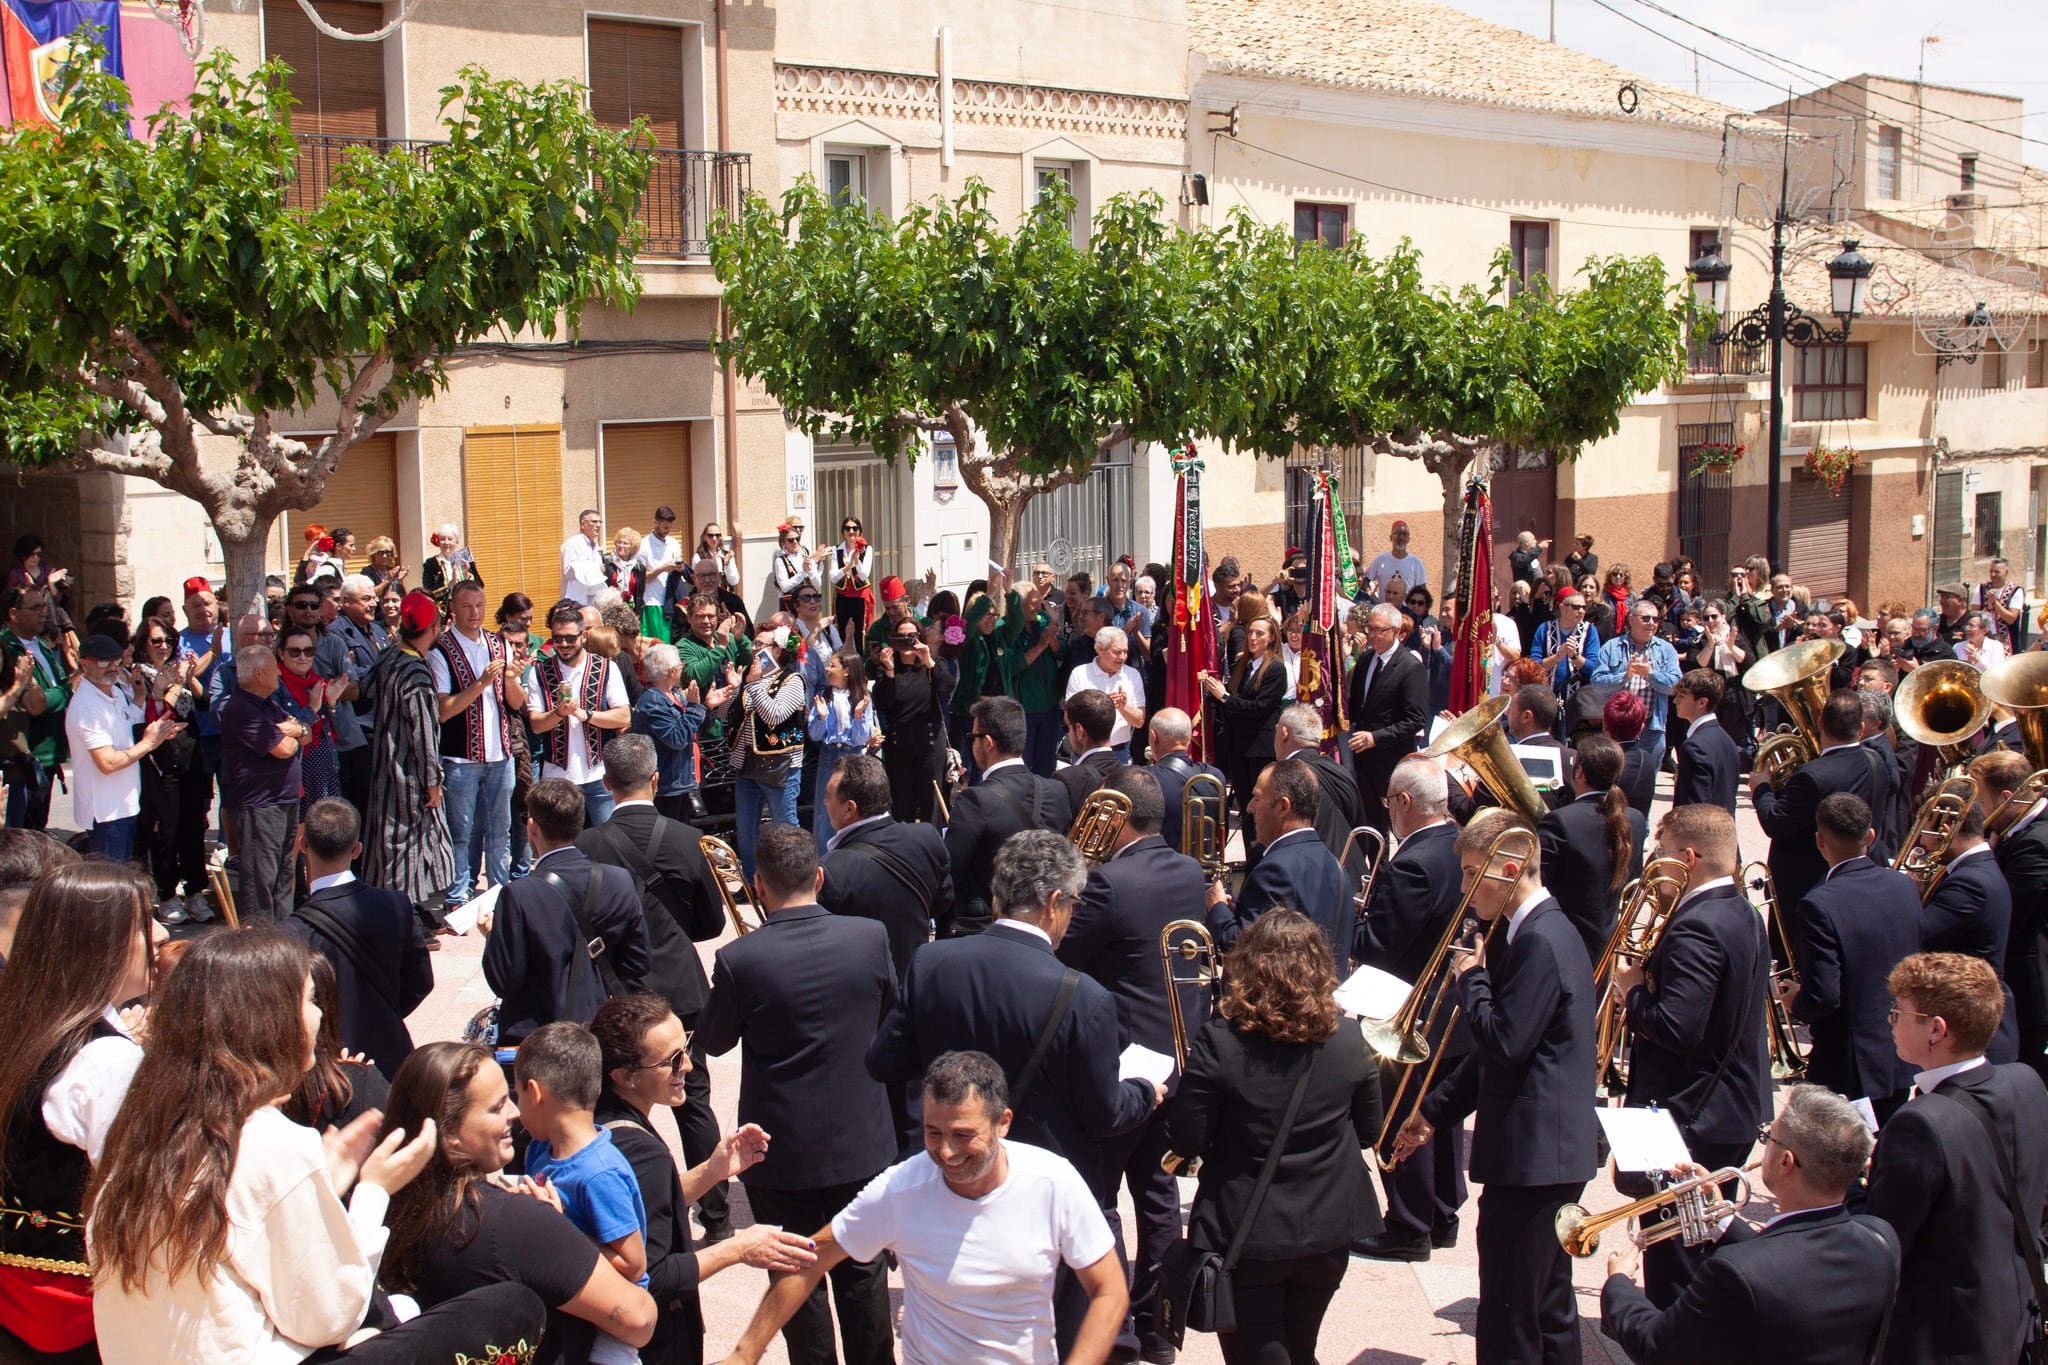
(418, 613)
(892, 589)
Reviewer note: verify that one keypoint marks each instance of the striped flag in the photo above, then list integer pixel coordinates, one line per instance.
(1191, 638)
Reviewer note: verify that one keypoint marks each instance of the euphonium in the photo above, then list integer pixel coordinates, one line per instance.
(1375, 858)
(1479, 740)
(1101, 820)
(1942, 705)
(731, 881)
(2020, 685)
(1797, 676)
(1202, 826)
(1924, 856)
(1646, 909)
(1788, 1063)
(1697, 1201)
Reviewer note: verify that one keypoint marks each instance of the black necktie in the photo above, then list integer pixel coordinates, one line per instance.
(1372, 673)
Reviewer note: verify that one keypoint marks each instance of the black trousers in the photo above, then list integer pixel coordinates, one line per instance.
(1669, 1266)
(698, 1127)
(355, 775)
(1280, 1308)
(498, 1321)
(2034, 1050)
(860, 1289)
(1134, 1158)
(1425, 1192)
(175, 801)
(1527, 1315)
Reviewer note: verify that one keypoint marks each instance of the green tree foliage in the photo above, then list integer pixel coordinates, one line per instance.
(163, 306)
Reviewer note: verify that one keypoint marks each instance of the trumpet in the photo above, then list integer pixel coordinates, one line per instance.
(1697, 1202)
(1797, 676)
(1924, 856)
(1405, 1037)
(1101, 821)
(1375, 858)
(1646, 910)
(1788, 1063)
(731, 881)
(1203, 830)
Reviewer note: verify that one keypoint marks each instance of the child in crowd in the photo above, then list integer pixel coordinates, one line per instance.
(560, 1070)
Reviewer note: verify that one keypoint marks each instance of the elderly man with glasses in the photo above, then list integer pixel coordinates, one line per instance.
(32, 733)
(1643, 662)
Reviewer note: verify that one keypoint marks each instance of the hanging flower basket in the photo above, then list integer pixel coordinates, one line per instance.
(1715, 457)
(1833, 465)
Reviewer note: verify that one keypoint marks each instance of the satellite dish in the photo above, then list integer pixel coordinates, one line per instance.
(1060, 554)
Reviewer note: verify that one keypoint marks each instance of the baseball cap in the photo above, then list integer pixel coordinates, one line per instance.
(99, 647)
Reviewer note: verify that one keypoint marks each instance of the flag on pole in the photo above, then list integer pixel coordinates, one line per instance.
(1191, 638)
(1472, 657)
(36, 40)
(1321, 681)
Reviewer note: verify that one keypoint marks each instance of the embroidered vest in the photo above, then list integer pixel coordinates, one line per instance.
(462, 734)
(854, 585)
(771, 741)
(596, 674)
(41, 1225)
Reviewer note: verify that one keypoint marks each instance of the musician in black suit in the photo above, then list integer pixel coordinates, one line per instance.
(1169, 735)
(1296, 735)
(1969, 911)
(1709, 762)
(1413, 899)
(1245, 711)
(369, 935)
(1695, 1009)
(663, 859)
(1891, 773)
(1531, 716)
(1623, 718)
(1090, 718)
(2019, 839)
(1939, 1177)
(880, 868)
(1295, 870)
(1857, 924)
(1389, 709)
(1528, 995)
(1787, 812)
(1114, 938)
(1814, 1285)
(1591, 845)
(801, 997)
(1008, 798)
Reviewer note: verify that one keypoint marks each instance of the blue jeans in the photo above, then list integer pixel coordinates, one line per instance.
(28, 795)
(750, 798)
(597, 802)
(828, 760)
(478, 800)
(1041, 741)
(1653, 743)
(114, 839)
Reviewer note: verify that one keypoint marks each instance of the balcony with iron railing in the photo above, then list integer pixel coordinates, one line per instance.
(686, 190)
(1705, 360)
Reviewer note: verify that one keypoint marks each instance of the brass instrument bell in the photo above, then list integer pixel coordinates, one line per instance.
(1942, 705)
(1797, 676)
(1479, 740)
(1100, 822)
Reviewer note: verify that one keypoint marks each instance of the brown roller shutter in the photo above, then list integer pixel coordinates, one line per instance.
(362, 495)
(646, 465)
(512, 496)
(339, 86)
(636, 71)
(1817, 555)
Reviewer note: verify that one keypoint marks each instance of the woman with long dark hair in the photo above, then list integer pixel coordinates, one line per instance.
(842, 722)
(911, 696)
(461, 1226)
(1591, 844)
(1277, 1027)
(217, 1224)
(1247, 708)
(334, 1092)
(84, 946)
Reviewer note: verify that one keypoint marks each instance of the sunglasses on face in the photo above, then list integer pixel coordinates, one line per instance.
(673, 1063)
(808, 597)
(298, 653)
(577, 638)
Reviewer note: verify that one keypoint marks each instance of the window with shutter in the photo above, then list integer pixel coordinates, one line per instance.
(647, 465)
(636, 71)
(362, 495)
(512, 499)
(1817, 552)
(339, 86)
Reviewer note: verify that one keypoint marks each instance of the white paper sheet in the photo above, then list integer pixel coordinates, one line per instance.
(1643, 1139)
(1142, 1063)
(1867, 1113)
(1371, 993)
(462, 919)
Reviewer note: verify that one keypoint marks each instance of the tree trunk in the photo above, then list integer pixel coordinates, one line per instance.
(244, 557)
(1005, 518)
(1451, 473)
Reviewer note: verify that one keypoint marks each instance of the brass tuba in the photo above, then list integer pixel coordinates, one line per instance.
(1697, 1202)
(2020, 685)
(731, 881)
(1788, 1063)
(1375, 844)
(1100, 822)
(1924, 856)
(1797, 676)
(1203, 824)
(1646, 909)
(1479, 740)
(1941, 705)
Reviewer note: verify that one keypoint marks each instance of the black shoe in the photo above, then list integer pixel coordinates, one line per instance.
(1159, 1355)
(1443, 1240)
(1391, 1246)
(714, 1233)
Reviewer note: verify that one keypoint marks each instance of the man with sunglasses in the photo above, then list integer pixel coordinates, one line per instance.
(1643, 662)
(577, 700)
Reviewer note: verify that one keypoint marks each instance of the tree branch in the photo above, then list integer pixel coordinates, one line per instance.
(122, 390)
(144, 458)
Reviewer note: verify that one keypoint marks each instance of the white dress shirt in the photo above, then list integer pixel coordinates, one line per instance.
(841, 833)
(582, 568)
(341, 878)
(1927, 1080)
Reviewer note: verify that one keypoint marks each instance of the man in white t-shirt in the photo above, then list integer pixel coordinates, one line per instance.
(1507, 647)
(1395, 559)
(979, 1226)
(1108, 674)
(100, 723)
(575, 701)
(660, 557)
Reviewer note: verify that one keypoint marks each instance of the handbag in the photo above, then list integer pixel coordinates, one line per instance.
(1194, 1285)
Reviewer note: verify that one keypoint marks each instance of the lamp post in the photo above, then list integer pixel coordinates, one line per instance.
(1775, 321)
(1966, 342)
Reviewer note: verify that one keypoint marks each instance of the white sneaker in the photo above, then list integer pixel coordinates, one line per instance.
(172, 911)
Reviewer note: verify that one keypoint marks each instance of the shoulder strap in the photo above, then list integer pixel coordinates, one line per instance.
(354, 949)
(897, 868)
(2023, 1242)
(1271, 1164)
(1891, 1284)
(641, 865)
(1061, 1003)
(590, 948)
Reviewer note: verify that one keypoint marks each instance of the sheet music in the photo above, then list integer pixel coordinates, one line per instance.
(1142, 1063)
(1371, 993)
(462, 919)
(1643, 1139)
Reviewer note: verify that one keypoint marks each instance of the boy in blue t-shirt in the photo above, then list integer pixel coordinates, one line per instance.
(560, 1070)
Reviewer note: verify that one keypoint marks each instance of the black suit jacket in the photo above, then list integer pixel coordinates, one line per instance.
(682, 904)
(384, 924)
(1964, 1294)
(1971, 912)
(1298, 872)
(859, 883)
(801, 997)
(1578, 871)
(1787, 817)
(1530, 1074)
(1709, 767)
(992, 993)
(528, 958)
(1412, 899)
(1638, 780)
(983, 817)
(1394, 712)
(1855, 927)
(1705, 1018)
(1338, 808)
(1174, 772)
(1894, 784)
(1245, 716)
(1114, 933)
(1810, 1288)
(2023, 858)
(1086, 776)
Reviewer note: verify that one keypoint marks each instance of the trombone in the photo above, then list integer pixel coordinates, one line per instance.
(1203, 828)
(1404, 1039)
(731, 881)
(1187, 942)
(1096, 829)
(1797, 676)
(1788, 1063)
(1697, 1201)
(1924, 856)
(1647, 906)
(1375, 858)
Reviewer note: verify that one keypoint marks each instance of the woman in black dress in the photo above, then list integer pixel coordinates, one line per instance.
(911, 698)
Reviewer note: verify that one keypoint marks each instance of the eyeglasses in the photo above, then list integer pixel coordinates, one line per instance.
(851, 526)
(1767, 1137)
(567, 639)
(809, 597)
(1894, 1014)
(261, 635)
(301, 652)
(155, 641)
(304, 604)
(674, 1063)
(1647, 618)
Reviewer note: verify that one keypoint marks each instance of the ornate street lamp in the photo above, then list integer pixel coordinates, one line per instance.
(1966, 342)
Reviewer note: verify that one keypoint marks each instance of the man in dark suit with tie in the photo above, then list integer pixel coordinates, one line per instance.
(1296, 735)
(1787, 813)
(1090, 717)
(1114, 938)
(1940, 1174)
(801, 997)
(1528, 994)
(1969, 911)
(1295, 870)
(1170, 733)
(880, 868)
(662, 858)
(1695, 1009)
(2019, 840)
(1858, 923)
(370, 936)
(1413, 899)
(1814, 1285)
(1709, 763)
(1388, 706)
(1008, 798)
(1580, 862)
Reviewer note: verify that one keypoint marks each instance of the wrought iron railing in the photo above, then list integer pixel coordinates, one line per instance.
(1702, 356)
